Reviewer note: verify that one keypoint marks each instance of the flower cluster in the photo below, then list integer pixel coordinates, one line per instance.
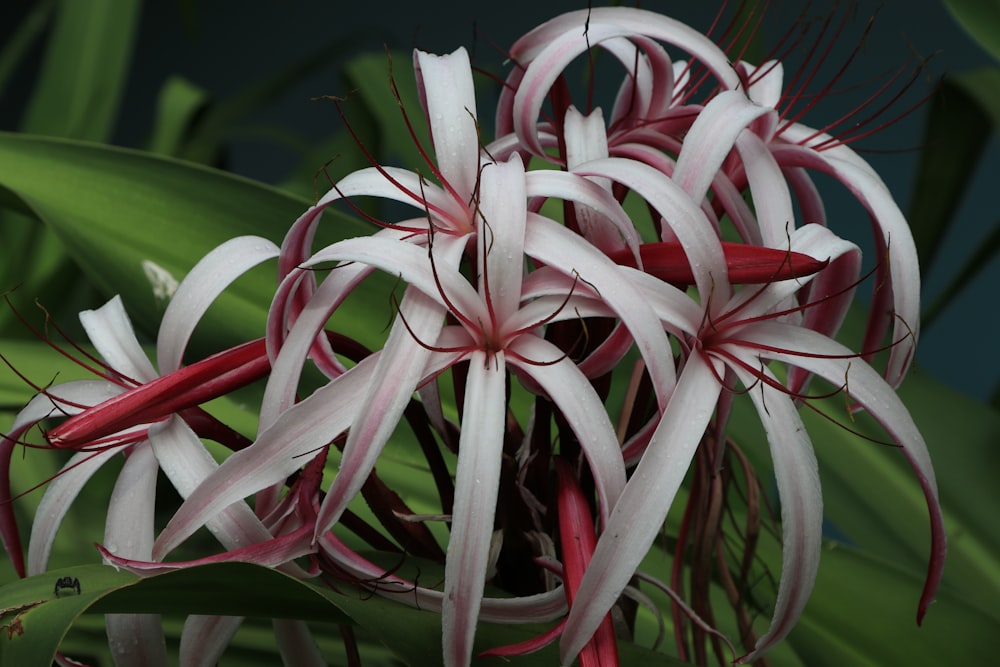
(626, 273)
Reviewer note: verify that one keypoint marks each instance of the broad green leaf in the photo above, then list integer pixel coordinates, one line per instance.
(961, 434)
(37, 362)
(33, 265)
(872, 498)
(39, 619)
(120, 213)
(983, 86)
(35, 619)
(984, 253)
(76, 95)
(981, 19)
(228, 589)
(253, 646)
(862, 613)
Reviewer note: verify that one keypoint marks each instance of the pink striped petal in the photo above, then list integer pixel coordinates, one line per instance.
(477, 480)
(638, 516)
(449, 100)
(200, 288)
(797, 478)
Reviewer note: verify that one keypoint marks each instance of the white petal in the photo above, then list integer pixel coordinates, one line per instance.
(187, 464)
(296, 643)
(500, 238)
(128, 528)
(584, 412)
(64, 400)
(638, 517)
(204, 639)
(843, 164)
(59, 495)
(135, 639)
(395, 257)
(767, 81)
(449, 99)
(711, 138)
(399, 369)
(202, 285)
(684, 216)
(837, 364)
(556, 246)
(278, 451)
(111, 332)
(772, 200)
(616, 228)
(797, 477)
(477, 480)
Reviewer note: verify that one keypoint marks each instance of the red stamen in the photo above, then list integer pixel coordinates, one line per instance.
(99, 368)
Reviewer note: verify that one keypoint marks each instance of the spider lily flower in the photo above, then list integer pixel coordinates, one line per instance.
(796, 149)
(133, 411)
(632, 37)
(496, 333)
(130, 514)
(725, 139)
(651, 121)
(738, 339)
(495, 329)
(485, 276)
(445, 208)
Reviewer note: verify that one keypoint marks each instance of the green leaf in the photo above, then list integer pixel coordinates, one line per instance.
(33, 620)
(980, 258)
(19, 43)
(221, 121)
(226, 589)
(84, 70)
(33, 265)
(872, 498)
(957, 131)
(119, 212)
(178, 105)
(861, 613)
(38, 619)
(961, 119)
(981, 20)
(76, 95)
(961, 434)
(983, 86)
(373, 76)
(36, 361)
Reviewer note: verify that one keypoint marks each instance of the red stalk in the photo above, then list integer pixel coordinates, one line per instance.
(748, 264)
(184, 388)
